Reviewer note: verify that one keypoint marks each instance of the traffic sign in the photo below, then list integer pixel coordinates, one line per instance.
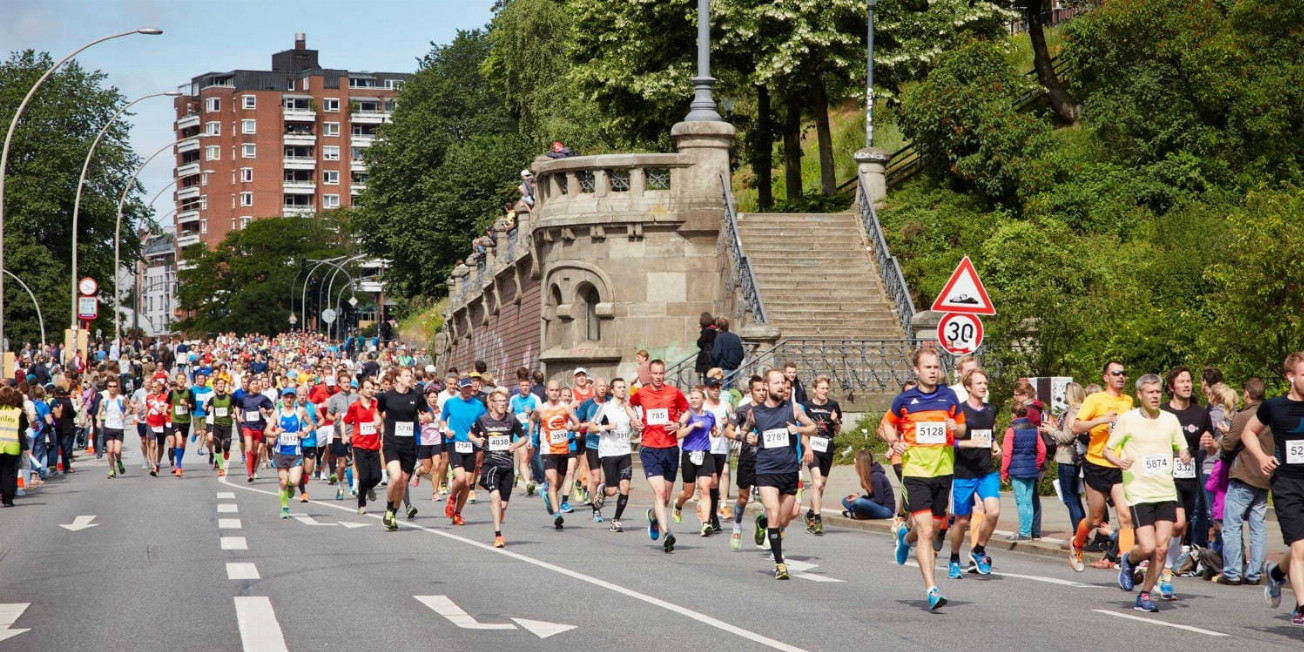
(964, 293)
(293, 319)
(959, 333)
(328, 315)
(88, 285)
(88, 308)
(353, 301)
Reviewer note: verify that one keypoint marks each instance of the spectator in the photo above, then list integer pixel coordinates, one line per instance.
(1068, 454)
(1022, 454)
(727, 351)
(705, 341)
(560, 151)
(1222, 406)
(1246, 502)
(798, 389)
(644, 370)
(878, 501)
(13, 443)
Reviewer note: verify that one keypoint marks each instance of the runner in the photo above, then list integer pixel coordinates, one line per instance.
(111, 419)
(746, 475)
(457, 418)
(181, 401)
(553, 421)
(1285, 416)
(364, 435)
(1141, 445)
(501, 435)
(308, 440)
(570, 487)
(140, 416)
(156, 418)
(523, 405)
(287, 428)
(827, 415)
(431, 444)
(221, 406)
(922, 425)
(253, 409)
(659, 452)
(442, 472)
(698, 465)
(1102, 478)
(976, 476)
(586, 413)
(782, 432)
(614, 421)
(1197, 427)
(201, 394)
(342, 474)
(720, 407)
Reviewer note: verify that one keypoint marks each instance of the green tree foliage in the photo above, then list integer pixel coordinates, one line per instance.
(45, 158)
(244, 284)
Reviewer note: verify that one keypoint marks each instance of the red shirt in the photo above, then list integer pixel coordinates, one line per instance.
(363, 419)
(156, 414)
(661, 410)
(580, 395)
(318, 396)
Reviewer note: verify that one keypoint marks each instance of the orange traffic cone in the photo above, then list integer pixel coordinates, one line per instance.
(21, 484)
(90, 446)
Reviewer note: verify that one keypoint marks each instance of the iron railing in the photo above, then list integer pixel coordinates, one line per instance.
(853, 365)
(894, 282)
(740, 274)
(683, 373)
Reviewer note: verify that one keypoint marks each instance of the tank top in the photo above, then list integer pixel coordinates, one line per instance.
(554, 433)
(777, 448)
(615, 442)
(287, 441)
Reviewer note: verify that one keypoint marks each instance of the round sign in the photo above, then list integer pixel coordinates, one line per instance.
(88, 286)
(960, 334)
(293, 320)
(328, 315)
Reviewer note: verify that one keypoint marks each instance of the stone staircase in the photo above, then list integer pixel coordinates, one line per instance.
(816, 276)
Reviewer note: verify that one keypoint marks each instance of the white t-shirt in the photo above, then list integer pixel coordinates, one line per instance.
(613, 443)
(720, 445)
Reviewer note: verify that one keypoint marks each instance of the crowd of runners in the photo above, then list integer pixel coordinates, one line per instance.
(298, 407)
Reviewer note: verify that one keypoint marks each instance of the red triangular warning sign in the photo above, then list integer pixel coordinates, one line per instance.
(964, 293)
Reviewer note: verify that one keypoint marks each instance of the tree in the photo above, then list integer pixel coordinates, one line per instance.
(45, 158)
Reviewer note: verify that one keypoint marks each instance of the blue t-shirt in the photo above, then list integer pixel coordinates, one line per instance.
(251, 406)
(461, 415)
(521, 407)
(699, 437)
(203, 395)
(588, 409)
(310, 429)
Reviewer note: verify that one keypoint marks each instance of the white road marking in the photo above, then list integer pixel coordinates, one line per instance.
(350, 525)
(259, 631)
(799, 569)
(456, 615)
(1188, 628)
(229, 524)
(234, 543)
(235, 571)
(226, 495)
(226, 508)
(541, 628)
(9, 614)
(308, 520)
(1034, 578)
(79, 523)
(616, 588)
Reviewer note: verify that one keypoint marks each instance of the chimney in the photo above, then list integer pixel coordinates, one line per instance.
(300, 41)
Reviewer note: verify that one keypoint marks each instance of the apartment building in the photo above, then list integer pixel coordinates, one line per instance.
(154, 285)
(289, 142)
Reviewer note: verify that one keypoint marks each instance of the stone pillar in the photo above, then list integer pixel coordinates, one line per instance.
(708, 142)
(872, 163)
(924, 324)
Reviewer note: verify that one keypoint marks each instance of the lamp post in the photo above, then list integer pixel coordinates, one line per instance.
(703, 106)
(303, 296)
(81, 182)
(39, 318)
(339, 267)
(869, 75)
(9, 136)
(117, 235)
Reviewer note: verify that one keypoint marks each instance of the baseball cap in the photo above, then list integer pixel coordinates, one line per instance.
(330, 381)
(580, 370)
(430, 369)
(354, 384)
(465, 382)
(288, 390)
(473, 374)
(712, 381)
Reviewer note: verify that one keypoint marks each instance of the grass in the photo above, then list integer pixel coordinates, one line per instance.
(421, 325)
(1019, 52)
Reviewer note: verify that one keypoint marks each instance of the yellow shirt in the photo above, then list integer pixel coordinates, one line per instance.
(1098, 405)
(1150, 444)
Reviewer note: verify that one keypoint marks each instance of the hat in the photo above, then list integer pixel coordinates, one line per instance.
(712, 381)
(580, 371)
(432, 388)
(288, 390)
(330, 381)
(473, 374)
(354, 384)
(465, 383)
(430, 369)
(526, 173)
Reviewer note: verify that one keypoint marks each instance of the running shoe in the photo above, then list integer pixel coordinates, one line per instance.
(935, 599)
(736, 541)
(780, 571)
(1125, 579)
(653, 528)
(1297, 618)
(153, 472)
(333, 479)
(389, 521)
(1271, 587)
(558, 522)
(615, 526)
(566, 508)
(371, 494)
(180, 472)
(940, 538)
(726, 512)
(412, 512)
(669, 543)
(1144, 603)
(529, 489)
(221, 473)
(678, 514)
(597, 516)
(601, 499)
(112, 475)
(1166, 585)
(285, 512)
(457, 520)
(706, 529)
(819, 528)
(339, 493)
(981, 563)
(1075, 558)
(760, 529)
(500, 542)
(953, 570)
(547, 504)
(362, 511)
(470, 497)
(122, 470)
(902, 548)
(450, 508)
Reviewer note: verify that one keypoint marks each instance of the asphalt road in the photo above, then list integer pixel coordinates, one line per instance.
(164, 566)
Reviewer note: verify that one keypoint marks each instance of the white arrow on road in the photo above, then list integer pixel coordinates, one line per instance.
(79, 523)
(448, 609)
(8, 614)
(308, 520)
(799, 569)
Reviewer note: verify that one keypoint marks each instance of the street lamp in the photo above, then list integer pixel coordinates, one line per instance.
(117, 234)
(869, 76)
(39, 318)
(339, 267)
(703, 106)
(303, 296)
(9, 136)
(81, 181)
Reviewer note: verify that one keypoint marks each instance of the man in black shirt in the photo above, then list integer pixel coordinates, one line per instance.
(746, 473)
(976, 475)
(827, 416)
(500, 434)
(1197, 428)
(401, 408)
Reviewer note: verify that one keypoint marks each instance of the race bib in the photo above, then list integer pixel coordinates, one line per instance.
(253, 415)
(775, 438)
(1181, 470)
(697, 457)
(1295, 451)
(367, 429)
(557, 437)
(819, 444)
(220, 412)
(622, 437)
(156, 428)
(180, 410)
(499, 444)
(403, 429)
(523, 417)
(930, 433)
(658, 417)
(462, 447)
(981, 437)
(289, 439)
(1155, 465)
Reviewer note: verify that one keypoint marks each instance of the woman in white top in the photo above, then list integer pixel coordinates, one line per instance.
(615, 421)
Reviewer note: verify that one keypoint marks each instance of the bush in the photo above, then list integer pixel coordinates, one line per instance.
(862, 435)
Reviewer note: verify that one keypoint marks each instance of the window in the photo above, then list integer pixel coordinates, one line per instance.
(212, 153)
(330, 105)
(304, 85)
(212, 105)
(330, 153)
(244, 221)
(330, 201)
(355, 154)
(246, 199)
(290, 85)
(593, 329)
(247, 175)
(248, 126)
(212, 128)
(249, 101)
(248, 150)
(393, 84)
(330, 177)
(390, 104)
(203, 227)
(331, 128)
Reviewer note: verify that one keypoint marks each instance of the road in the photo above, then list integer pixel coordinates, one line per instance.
(170, 563)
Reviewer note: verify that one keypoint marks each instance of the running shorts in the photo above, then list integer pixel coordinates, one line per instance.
(786, 483)
(112, 434)
(428, 451)
(498, 478)
(339, 449)
(310, 452)
(659, 462)
(615, 469)
(926, 494)
(222, 433)
(721, 462)
(403, 453)
(249, 433)
(464, 461)
(746, 473)
(591, 456)
(964, 489)
(822, 461)
(554, 462)
(1147, 514)
(1288, 501)
(696, 464)
(1186, 492)
(286, 461)
(1101, 478)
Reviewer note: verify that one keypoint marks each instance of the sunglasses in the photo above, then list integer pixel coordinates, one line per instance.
(1118, 373)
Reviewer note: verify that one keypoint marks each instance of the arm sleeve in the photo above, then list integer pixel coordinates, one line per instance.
(1041, 451)
(1007, 445)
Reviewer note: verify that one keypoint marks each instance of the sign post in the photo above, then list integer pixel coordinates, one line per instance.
(963, 299)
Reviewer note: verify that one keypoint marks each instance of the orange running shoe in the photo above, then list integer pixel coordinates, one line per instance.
(500, 542)
(178, 472)
(457, 520)
(450, 507)
(303, 497)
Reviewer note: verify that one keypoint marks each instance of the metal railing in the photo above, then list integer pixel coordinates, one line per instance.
(853, 365)
(894, 282)
(683, 372)
(740, 273)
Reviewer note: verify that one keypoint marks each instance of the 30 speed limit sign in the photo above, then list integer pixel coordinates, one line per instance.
(960, 333)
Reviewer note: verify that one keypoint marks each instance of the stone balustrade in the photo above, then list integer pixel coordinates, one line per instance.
(469, 279)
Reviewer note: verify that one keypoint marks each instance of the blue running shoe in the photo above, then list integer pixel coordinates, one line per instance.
(653, 528)
(547, 504)
(1125, 579)
(1271, 587)
(1297, 618)
(935, 599)
(1166, 585)
(983, 563)
(953, 571)
(1144, 603)
(902, 548)
(565, 507)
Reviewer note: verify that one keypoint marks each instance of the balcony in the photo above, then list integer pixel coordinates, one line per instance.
(299, 139)
(189, 122)
(297, 211)
(358, 186)
(190, 192)
(369, 117)
(183, 265)
(186, 217)
(357, 166)
(188, 145)
(187, 240)
(300, 187)
(299, 162)
(299, 114)
(188, 170)
(363, 140)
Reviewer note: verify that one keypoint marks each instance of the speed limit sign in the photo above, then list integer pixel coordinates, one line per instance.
(960, 333)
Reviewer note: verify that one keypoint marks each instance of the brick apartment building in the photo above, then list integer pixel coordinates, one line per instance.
(284, 142)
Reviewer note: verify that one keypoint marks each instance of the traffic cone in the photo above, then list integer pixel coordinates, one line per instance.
(21, 484)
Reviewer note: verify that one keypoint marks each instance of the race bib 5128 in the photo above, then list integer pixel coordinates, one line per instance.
(930, 433)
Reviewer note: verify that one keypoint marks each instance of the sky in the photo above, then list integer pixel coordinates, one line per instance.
(202, 36)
